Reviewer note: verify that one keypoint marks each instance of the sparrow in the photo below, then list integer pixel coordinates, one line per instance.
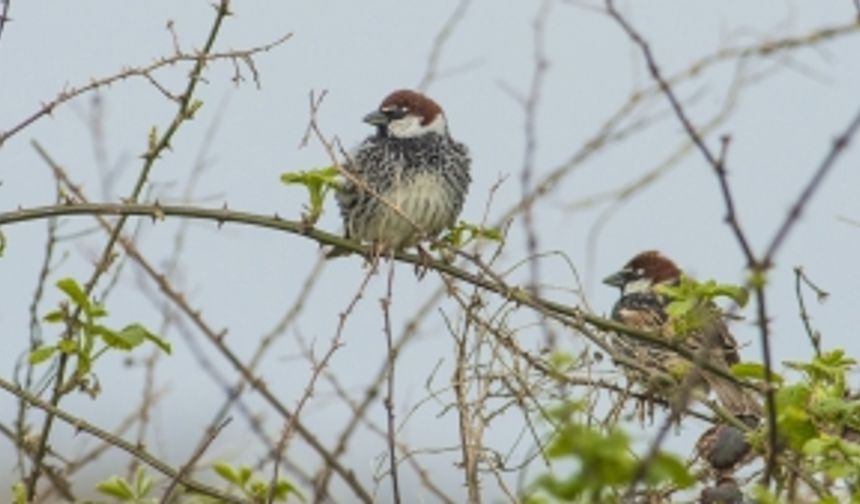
(641, 306)
(406, 182)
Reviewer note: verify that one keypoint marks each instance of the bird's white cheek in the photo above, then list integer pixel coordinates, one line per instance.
(410, 126)
(643, 285)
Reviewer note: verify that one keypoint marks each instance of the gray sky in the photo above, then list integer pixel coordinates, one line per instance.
(243, 279)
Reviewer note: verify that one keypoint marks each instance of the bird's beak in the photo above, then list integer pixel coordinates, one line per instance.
(377, 118)
(617, 279)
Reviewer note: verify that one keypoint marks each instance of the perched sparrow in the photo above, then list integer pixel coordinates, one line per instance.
(407, 181)
(642, 307)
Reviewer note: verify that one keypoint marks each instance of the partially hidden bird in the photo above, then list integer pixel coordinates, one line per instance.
(642, 306)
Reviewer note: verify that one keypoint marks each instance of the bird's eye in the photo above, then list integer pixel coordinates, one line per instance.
(395, 113)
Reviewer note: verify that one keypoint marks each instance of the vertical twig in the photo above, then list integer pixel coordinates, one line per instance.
(389, 394)
(432, 70)
(4, 16)
(468, 441)
(799, 279)
(531, 104)
(211, 434)
(837, 149)
(317, 368)
(35, 330)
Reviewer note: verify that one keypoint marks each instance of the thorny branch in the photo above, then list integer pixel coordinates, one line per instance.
(567, 315)
(146, 72)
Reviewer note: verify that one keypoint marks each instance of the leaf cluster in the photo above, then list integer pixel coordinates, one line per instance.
(318, 182)
(256, 489)
(691, 303)
(603, 463)
(86, 337)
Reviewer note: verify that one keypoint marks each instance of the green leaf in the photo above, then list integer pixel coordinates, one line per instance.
(110, 337)
(227, 472)
(74, 291)
(142, 483)
(152, 140)
(133, 334)
(757, 279)
(561, 361)
(85, 364)
(796, 425)
(193, 108)
(734, 292)
(318, 183)
(762, 495)
(464, 233)
(19, 493)
(830, 499)
(157, 340)
(42, 354)
(284, 488)
(816, 446)
(680, 308)
(830, 408)
(754, 371)
(54, 317)
(245, 474)
(116, 487)
(97, 310)
(67, 346)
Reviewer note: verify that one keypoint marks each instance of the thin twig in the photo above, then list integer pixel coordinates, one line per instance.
(318, 366)
(530, 105)
(211, 434)
(35, 327)
(813, 335)
(839, 146)
(389, 397)
(432, 71)
(4, 16)
(145, 72)
(371, 392)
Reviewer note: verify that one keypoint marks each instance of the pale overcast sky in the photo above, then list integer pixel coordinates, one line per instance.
(243, 279)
